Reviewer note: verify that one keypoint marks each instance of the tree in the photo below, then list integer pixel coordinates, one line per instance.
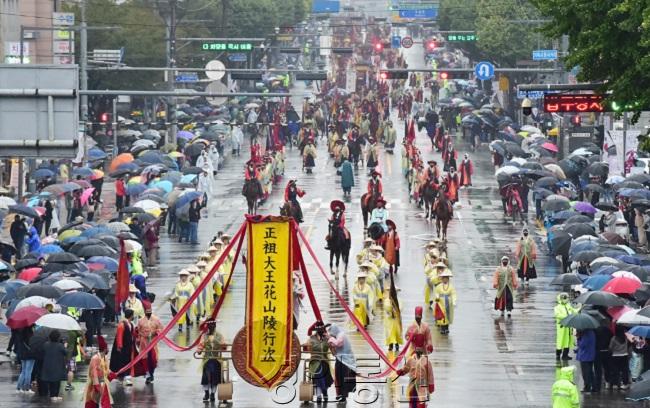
(609, 40)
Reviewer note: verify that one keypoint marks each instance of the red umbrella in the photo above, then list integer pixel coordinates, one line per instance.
(29, 274)
(617, 311)
(550, 147)
(25, 317)
(622, 285)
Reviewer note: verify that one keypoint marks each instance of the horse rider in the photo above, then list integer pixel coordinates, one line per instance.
(433, 172)
(375, 187)
(336, 220)
(436, 203)
(380, 214)
(291, 194)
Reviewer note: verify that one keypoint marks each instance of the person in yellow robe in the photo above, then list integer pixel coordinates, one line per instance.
(225, 240)
(392, 325)
(445, 295)
(198, 307)
(364, 254)
(372, 280)
(377, 258)
(432, 280)
(362, 296)
(181, 294)
(206, 294)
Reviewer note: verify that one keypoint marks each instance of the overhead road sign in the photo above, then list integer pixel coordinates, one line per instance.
(419, 13)
(235, 46)
(187, 77)
(325, 6)
(484, 70)
(545, 55)
(237, 57)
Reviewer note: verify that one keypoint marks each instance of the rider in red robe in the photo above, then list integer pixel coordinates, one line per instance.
(374, 186)
(251, 171)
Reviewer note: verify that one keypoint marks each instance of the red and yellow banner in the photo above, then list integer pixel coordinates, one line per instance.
(269, 304)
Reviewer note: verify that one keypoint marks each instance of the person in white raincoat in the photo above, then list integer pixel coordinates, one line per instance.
(237, 136)
(204, 161)
(204, 185)
(213, 154)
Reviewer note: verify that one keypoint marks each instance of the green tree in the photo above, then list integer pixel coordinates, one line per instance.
(610, 41)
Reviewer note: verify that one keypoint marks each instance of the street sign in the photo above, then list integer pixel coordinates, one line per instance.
(227, 46)
(187, 77)
(325, 6)
(544, 55)
(419, 13)
(530, 94)
(484, 70)
(215, 70)
(395, 41)
(237, 57)
(573, 103)
(407, 42)
(461, 37)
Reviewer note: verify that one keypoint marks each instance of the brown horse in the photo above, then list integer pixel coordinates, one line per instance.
(290, 210)
(366, 208)
(444, 213)
(252, 190)
(429, 195)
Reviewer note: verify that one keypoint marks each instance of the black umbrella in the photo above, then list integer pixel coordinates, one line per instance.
(131, 210)
(642, 294)
(23, 210)
(25, 263)
(194, 150)
(144, 217)
(578, 230)
(94, 281)
(542, 192)
(560, 243)
(640, 203)
(38, 289)
(578, 219)
(63, 257)
(580, 321)
(81, 300)
(537, 174)
(639, 178)
(598, 169)
(569, 167)
(595, 188)
(556, 205)
(514, 149)
(120, 172)
(639, 391)
(532, 165)
(600, 298)
(545, 182)
(192, 170)
(605, 206)
(566, 279)
(585, 256)
(69, 226)
(127, 235)
(60, 267)
(76, 247)
(110, 240)
(629, 184)
(96, 250)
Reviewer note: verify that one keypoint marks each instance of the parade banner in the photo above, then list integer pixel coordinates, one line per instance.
(269, 301)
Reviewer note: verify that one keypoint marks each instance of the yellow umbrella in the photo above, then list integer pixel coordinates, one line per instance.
(554, 132)
(135, 180)
(68, 234)
(175, 155)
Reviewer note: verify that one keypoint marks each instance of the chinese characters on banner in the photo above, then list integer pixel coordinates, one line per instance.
(269, 306)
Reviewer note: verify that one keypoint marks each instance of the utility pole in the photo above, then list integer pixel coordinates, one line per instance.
(171, 63)
(83, 72)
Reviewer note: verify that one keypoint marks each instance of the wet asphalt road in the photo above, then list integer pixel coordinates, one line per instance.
(485, 361)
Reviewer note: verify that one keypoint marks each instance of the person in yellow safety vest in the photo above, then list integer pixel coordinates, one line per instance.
(564, 339)
(362, 298)
(182, 292)
(133, 303)
(565, 391)
(364, 254)
(198, 307)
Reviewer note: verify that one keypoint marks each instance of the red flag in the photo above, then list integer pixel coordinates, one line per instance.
(410, 134)
(122, 288)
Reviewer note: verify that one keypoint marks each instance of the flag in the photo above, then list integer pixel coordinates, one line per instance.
(410, 133)
(122, 288)
(392, 295)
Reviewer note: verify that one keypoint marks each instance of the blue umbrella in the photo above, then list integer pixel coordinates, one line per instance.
(135, 189)
(81, 300)
(96, 154)
(42, 173)
(188, 198)
(582, 246)
(152, 156)
(70, 186)
(563, 215)
(131, 167)
(164, 185)
(82, 171)
(640, 331)
(606, 270)
(51, 249)
(596, 282)
(91, 232)
(109, 263)
(188, 178)
(23, 210)
(634, 260)
(72, 240)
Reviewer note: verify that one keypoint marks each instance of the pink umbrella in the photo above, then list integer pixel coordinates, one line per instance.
(617, 311)
(550, 147)
(86, 195)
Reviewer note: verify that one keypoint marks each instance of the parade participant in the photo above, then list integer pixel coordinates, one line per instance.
(375, 188)
(210, 348)
(182, 292)
(452, 185)
(364, 254)
(362, 298)
(445, 297)
(450, 157)
(565, 391)
(505, 282)
(432, 276)
(291, 194)
(347, 177)
(379, 214)
(220, 245)
(97, 393)
(466, 171)
(204, 184)
(198, 309)
(237, 137)
(432, 173)
(213, 155)
(124, 348)
(146, 330)
(421, 381)
(345, 366)
(298, 296)
(309, 155)
(392, 325)
(372, 157)
(133, 303)
(390, 136)
(206, 294)
(391, 244)
(419, 334)
(564, 336)
(526, 253)
(319, 366)
(336, 220)
(381, 266)
(251, 171)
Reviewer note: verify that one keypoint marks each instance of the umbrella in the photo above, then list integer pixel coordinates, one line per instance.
(147, 205)
(96, 250)
(36, 289)
(578, 219)
(556, 205)
(23, 210)
(25, 263)
(6, 202)
(596, 282)
(38, 301)
(556, 170)
(82, 183)
(605, 206)
(545, 182)
(110, 240)
(120, 159)
(578, 230)
(131, 245)
(100, 229)
(50, 249)
(580, 321)
(542, 192)
(187, 198)
(566, 279)
(632, 318)
(144, 217)
(622, 285)
(42, 173)
(58, 321)
(510, 170)
(642, 204)
(135, 189)
(613, 238)
(585, 256)
(117, 227)
(109, 263)
(96, 280)
(640, 331)
(64, 258)
(82, 171)
(600, 298)
(629, 184)
(192, 170)
(86, 195)
(25, 317)
(627, 275)
(67, 284)
(96, 154)
(81, 300)
(560, 243)
(550, 147)
(585, 207)
(131, 210)
(598, 169)
(29, 274)
(594, 188)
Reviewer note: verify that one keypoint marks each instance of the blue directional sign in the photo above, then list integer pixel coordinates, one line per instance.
(544, 55)
(484, 70)
(237, 57)
(396, 41)
(419, 13)
(187, 77)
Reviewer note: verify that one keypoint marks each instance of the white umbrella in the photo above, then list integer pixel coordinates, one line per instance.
(147, 205)
(519, 160)
(626, 274)
(68, 284)
(507, 170)
(557, 197)
(557, 170)
(5, 202)
(118, 227)
(38, 301)
(632, 318)
(603, 260)
(58, 321)
(586, 238)
(581, 151)
(131, 245)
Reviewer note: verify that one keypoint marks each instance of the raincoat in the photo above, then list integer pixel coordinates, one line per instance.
(421, 382)
(565, 392)
(97, 392)
(564, 336)
(379, 215)
(392, 324)
(182, 292)
(504, 277)
(347, 175)
(362, 297)
(526, 253)
(445, 295)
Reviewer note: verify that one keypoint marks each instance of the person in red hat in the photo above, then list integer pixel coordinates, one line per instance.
(97, 393)
(291, 194)
(375, 189)
(419, 333)
(251, 171)
(336, 220)
(147, 329)
(390, 242)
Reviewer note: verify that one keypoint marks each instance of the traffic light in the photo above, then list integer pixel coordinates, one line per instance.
(430, 45)
(576, 120)
(384, 75)
(393, 75)
(103, 117)
(444, 75)
(378, 47)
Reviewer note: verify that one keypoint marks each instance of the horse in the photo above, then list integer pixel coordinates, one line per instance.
(366, 209)
(444, 212)
(339, 245)
(252, 190)
(290, 210)
(429, 195)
